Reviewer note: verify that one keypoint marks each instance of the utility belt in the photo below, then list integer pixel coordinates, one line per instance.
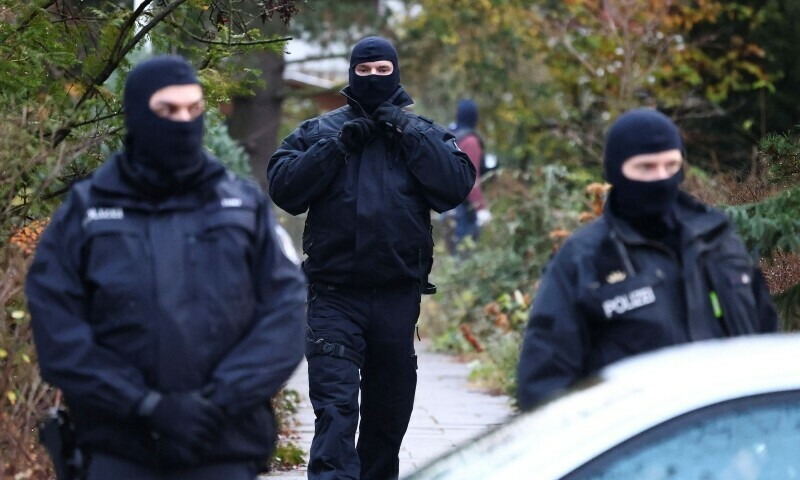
(426, 288)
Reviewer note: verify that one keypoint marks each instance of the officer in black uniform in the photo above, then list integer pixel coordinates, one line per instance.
(163, 304)
(368, 173)
(658, 268)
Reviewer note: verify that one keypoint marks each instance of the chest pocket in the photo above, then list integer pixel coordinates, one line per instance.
(731, 277)
(114, 251)
(402, 183)
(220, 259)
(629, 317)
(117, 269)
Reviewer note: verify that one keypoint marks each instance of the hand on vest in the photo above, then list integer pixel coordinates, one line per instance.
(391, 118)
(355, 134)
(187, 419)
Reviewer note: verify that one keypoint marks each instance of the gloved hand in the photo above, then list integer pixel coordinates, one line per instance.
(483, 216)
(391, 118)
(355, 134)
(187, 419)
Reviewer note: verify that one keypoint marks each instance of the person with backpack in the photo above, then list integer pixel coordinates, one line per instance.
(473, 213)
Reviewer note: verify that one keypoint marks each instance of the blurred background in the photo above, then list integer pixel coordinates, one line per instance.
(548, 78)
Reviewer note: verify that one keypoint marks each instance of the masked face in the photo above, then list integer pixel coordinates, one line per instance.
(175, 129)
(643, 161)
(640, 200)
(374, 72)
(164, 115)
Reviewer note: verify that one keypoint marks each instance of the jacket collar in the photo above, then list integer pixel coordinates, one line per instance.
(109, 181)
(108, 178)
(696, 218)
(400, 98)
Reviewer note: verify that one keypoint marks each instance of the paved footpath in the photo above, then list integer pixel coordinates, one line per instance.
(447, 412)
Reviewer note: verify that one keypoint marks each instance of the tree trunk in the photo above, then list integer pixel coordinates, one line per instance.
(255, 119)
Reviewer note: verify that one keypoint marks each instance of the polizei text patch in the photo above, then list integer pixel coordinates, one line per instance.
(625, 303)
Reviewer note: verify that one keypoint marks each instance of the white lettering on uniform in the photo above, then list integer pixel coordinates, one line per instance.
(625, 303)
(231, 202)
(93, 214)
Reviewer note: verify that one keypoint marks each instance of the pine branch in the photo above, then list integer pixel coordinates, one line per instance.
(240, 44)
(788, 305)
(26, 23)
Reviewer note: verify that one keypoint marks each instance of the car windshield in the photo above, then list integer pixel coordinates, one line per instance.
(744, 439)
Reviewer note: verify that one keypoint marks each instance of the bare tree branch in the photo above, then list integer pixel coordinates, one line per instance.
(239, 44)
(327, 56)
(98, 119)
(116, 56)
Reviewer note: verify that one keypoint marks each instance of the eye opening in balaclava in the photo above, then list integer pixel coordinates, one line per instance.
(372, 90)
(637, 132)
(171, 148)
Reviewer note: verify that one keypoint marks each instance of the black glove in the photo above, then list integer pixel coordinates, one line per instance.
(391, 118)
(188, 419)
(355, 134)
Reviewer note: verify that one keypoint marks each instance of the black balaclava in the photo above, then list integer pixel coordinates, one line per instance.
(638, 132)
(466, 115)
(160, 152)
(372, 90)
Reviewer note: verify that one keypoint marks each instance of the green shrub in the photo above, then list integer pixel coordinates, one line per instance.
(287, 454)
(485, 291)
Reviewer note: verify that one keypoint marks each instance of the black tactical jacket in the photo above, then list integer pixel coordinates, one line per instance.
(610, 293)
(190, 293)
(368, 218)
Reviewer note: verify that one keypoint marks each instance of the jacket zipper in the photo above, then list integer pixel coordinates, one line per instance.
(152, 331)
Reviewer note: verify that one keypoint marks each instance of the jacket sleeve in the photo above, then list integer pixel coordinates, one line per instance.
(298, 172)
(555, 344)
(444, 172)
(262, 361)
(767, 320)
(90, 375)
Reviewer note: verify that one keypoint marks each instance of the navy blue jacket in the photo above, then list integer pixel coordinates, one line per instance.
(610, 293)
(368, 220)
(190, 293)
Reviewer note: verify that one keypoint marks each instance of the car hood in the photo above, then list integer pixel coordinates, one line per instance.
(623, 400)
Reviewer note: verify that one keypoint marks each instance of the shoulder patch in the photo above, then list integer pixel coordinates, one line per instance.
(93, 214)
(231, 202)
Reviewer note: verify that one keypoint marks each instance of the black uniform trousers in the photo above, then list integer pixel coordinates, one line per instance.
(107, 467)
(377, 324)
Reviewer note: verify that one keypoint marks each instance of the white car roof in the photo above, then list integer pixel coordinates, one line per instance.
(630, 397)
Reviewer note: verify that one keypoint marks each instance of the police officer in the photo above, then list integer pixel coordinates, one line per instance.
(658, 268)
(163, 305)
(368, 174)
